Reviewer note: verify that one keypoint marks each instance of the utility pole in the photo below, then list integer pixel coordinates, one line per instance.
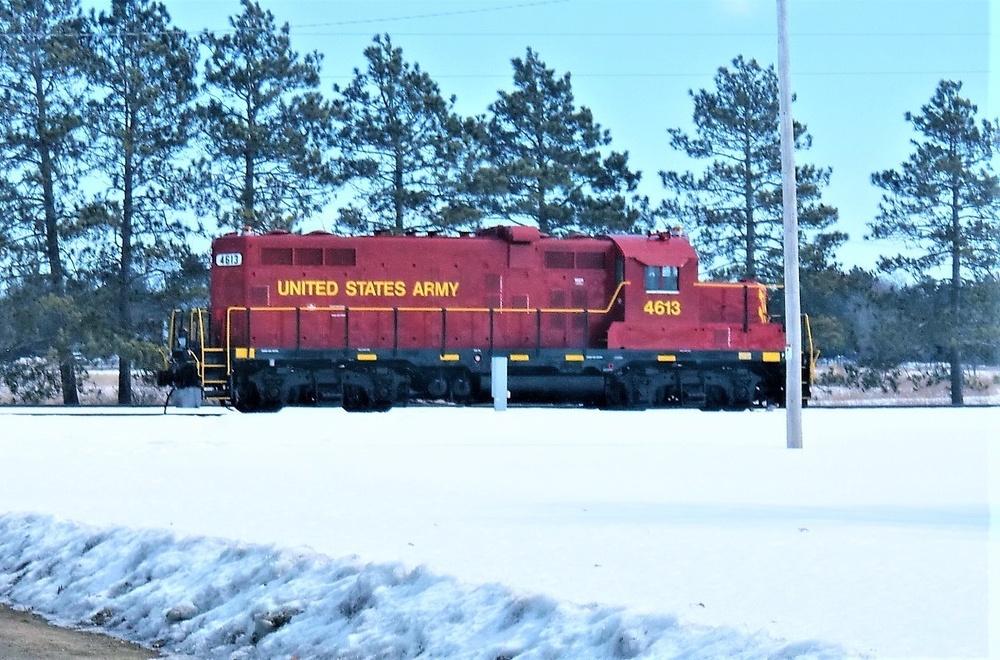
(793, 308)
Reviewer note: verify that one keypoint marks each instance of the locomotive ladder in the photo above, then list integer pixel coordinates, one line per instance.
(212, 367)
(210, 362)
(214, 373)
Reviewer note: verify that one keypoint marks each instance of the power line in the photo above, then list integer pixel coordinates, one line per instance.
(457, 12)
(486, 76)
(634, 35)
(568, 35)
(390, 19)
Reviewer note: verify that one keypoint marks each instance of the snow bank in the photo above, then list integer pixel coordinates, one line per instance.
(205, 597)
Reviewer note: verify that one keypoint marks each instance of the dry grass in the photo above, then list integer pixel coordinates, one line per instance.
(99, 387)
(917, 385)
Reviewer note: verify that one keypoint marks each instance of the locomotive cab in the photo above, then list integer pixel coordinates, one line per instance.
(661, 270)
(691, 343)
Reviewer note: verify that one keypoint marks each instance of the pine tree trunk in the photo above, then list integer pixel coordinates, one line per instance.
(750, 270)
(398, 191)
(57, 275)
(247, 196)
(957, 382)
(125, 273)
(543, 219)
(67, 378)
(124, 381)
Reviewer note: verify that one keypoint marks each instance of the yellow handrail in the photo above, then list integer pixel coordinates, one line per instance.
(480, 310)
(170, 340)
(813, 353)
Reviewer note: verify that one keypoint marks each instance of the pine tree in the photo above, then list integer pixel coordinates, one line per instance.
(266, 127)
(734, 206)
(546, 161)
(8, 228)
(944, 204)
(141, 118)
(43, 57)
(401, 143)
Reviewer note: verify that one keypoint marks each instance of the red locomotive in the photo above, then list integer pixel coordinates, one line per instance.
(369, 322)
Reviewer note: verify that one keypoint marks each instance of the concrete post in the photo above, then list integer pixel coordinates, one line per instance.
(793, 322)
(498, 383)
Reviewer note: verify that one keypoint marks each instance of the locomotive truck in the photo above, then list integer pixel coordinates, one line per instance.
(371, 322)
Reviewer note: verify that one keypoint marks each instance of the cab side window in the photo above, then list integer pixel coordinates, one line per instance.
(662, 279)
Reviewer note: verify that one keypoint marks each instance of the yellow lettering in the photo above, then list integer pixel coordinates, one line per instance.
(353, 288)
(309, 287)
(662, 307)
(371, 288)
(434, 288)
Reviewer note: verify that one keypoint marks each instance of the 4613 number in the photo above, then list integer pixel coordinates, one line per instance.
(662, 307)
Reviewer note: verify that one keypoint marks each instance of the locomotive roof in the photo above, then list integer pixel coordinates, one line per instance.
(658, 249)
(668, 248)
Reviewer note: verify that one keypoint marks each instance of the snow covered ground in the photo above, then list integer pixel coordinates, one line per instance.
(532, 533)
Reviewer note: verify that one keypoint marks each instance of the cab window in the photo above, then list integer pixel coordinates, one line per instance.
(662, 279)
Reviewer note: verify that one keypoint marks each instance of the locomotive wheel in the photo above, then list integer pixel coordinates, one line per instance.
(270, 405)
(356, 399)
(246, 398)
(461, 388)
(437, 387)
(715, 398)
(622, 394)
(615, 394)
(370, 391)
(249, 399)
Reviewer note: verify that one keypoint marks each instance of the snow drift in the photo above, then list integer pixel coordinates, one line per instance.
(208, 598)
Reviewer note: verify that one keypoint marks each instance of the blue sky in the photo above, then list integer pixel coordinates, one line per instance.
(856, 66)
